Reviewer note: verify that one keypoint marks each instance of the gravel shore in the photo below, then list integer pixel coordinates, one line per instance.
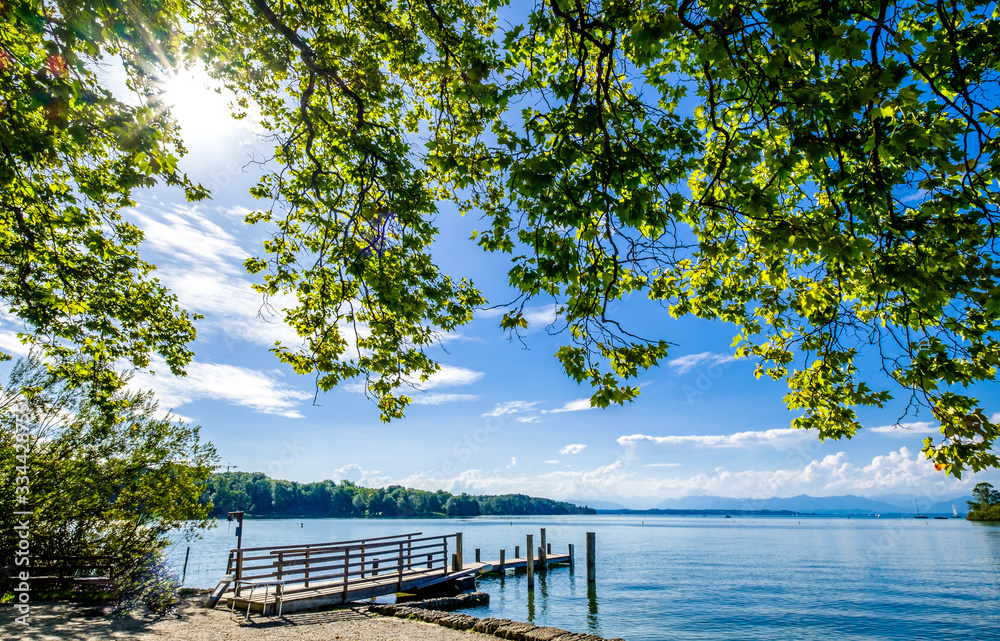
(61, 621)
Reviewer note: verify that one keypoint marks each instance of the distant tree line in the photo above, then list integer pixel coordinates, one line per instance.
(985, 504)
(259, 495)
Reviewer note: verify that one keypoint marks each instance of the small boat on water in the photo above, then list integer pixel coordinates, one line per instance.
(918, 515)
(954, 512)
(727, 517)
(940, 518)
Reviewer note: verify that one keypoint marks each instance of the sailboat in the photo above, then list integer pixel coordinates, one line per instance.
(954, 512)
(918, 515)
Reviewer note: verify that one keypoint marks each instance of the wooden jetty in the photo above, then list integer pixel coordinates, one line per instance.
(296, 577)
(522, 563)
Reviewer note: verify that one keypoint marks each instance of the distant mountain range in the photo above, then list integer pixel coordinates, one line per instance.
(847, 504)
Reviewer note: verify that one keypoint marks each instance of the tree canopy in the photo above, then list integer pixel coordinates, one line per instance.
(97, 486)
(821, 175)
(256, 494)
(985, 503)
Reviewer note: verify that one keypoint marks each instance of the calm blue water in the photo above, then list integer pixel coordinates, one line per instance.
(706, 578)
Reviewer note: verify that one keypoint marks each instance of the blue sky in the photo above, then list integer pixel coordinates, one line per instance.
(498, 418)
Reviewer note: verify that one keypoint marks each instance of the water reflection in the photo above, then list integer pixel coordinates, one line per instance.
(593, 623)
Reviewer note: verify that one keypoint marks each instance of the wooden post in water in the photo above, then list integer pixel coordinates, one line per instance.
(517, 551)
(531, 564)
(478, 560)
(591, 557)
(503, 560)
(458, 551)
(571, 556)
(454, 563)
(548, 548)
(543, 559)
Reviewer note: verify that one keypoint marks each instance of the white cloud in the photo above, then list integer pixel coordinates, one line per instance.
(447, 376)
(11, 344)
(438, 399)
(572, 448)
(906, 429)
(544, 315)
(662, 465)
(366, 478)
(777, 438)
(537, 317)
(528, 419)
(202, 264)
(898, 471)
(451, 376)
(240, 386)
(687, 363)
(513, 462)
(552, 462)
(578, 405)
(510, 407)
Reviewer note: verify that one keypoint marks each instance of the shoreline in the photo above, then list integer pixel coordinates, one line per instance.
(61, 620)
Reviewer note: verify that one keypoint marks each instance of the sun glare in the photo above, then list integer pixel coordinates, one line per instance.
(202, 112)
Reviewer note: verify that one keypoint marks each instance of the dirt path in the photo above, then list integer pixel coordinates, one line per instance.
(72, 622)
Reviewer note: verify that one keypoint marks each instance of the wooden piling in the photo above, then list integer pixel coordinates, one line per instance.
(531, 564)
(517, 551)
(503, 560)
(543, 559)
(478, 559)
(458, 551)
(571, 561)
(548, 548)
(591, 557)
(454, 563)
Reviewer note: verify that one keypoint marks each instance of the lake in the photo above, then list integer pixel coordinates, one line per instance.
(673, 577)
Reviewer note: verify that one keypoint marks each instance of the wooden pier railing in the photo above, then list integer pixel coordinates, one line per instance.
(343, 563)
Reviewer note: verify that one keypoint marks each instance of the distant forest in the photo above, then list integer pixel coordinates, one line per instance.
(258, 495)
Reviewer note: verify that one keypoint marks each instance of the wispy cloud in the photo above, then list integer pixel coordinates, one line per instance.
(438, 399)
(662, 465)
(11, 344)
(510, 407)
(906, 429)
(578, 405)
(774, 438)
(687, 363)
(537, 317)
(257, 390)
(552, 462)
(572, 448)
(451, 376)
(529, 419)
(202, 264)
